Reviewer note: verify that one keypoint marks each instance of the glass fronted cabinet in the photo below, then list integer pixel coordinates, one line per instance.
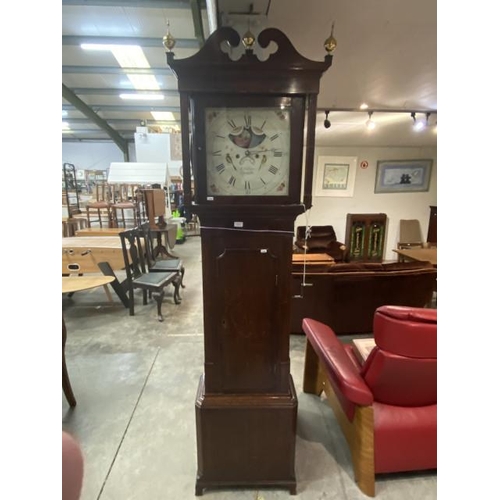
(365, 237)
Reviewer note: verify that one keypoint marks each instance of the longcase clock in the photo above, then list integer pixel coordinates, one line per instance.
(243, 125)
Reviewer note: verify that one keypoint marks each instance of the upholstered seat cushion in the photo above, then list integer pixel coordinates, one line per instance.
(156, 279)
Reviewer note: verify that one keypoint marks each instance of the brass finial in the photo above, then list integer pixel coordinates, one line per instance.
(168, 39)
(330, 43)
(248, 39)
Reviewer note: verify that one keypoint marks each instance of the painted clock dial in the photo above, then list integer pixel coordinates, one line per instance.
(247, 151)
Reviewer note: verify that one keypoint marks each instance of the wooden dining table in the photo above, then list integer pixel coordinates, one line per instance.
(99, 231)
(419, 254)
(72, 284)
(83, 255)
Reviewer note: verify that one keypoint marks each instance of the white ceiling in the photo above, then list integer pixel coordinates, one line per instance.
(386, 56)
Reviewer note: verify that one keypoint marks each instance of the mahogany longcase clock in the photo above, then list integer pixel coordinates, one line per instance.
(243, 125)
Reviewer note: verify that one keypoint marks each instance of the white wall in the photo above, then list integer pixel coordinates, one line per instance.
(155, 148)
(333, 211)
(93, 155)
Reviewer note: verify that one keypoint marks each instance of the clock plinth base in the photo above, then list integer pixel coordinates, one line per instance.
(246, 440)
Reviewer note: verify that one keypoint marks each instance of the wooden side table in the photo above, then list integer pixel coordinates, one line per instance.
(313, 261)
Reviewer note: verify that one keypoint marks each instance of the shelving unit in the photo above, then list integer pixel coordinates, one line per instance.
(176, 193)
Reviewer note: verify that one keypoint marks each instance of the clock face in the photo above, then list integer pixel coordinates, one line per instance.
(247, 151)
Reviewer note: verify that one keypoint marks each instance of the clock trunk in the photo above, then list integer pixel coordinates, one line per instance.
(246, 407)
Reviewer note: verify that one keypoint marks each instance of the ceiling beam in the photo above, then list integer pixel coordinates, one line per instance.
(197, 22)
(88, 112)
(123, 122)
(182, 43)
(87, 131)
(120, 107)
(154, 4)
(116, 70)
(117, 92)
(91, 139)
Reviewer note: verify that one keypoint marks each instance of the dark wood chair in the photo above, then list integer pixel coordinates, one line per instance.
(164, 265)
(139, 276)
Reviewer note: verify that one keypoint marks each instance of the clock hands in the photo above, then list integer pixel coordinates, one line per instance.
(264, 159)
(230, 160)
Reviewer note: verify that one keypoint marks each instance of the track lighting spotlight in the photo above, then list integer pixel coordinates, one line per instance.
(370, 124)
(418, 125)
(327, 122)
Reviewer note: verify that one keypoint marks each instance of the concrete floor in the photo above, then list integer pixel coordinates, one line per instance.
(135, 381)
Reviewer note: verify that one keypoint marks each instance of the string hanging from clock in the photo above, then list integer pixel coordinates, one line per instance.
(306, 237)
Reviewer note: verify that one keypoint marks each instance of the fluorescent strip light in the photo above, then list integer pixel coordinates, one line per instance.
(161, 116)
(144, 82)
(129, 56)
(143, 97)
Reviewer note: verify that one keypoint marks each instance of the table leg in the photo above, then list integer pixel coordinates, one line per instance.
(161, 248)
(117, 286)
(66, 384)
(108, 293)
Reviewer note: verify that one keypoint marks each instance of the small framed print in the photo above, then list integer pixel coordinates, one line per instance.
(335, 176)
(403, 176)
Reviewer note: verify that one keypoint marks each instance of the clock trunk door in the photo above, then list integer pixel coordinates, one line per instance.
(243, 352)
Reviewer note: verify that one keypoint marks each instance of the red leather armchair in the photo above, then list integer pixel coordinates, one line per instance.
(387, 407)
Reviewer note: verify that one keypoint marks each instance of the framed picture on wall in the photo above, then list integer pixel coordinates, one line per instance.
(335, 176)
(403, 176)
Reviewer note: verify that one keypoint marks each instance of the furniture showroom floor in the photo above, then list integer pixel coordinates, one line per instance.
(135, 382)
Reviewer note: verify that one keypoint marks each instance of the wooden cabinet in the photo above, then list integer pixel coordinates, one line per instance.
(365, 237)
(155, 207)
(432, 231)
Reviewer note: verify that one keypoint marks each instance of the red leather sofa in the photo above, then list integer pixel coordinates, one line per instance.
(387, 407)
